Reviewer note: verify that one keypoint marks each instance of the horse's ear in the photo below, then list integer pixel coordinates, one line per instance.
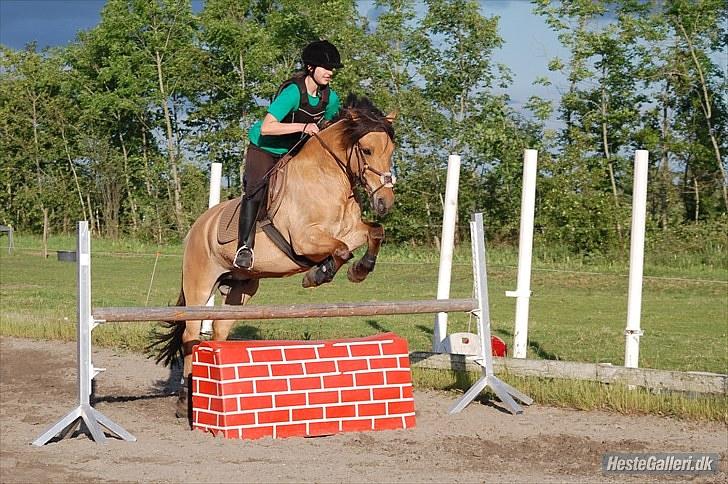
(391, 116)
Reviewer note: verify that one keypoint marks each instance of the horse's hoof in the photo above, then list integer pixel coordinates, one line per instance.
(308, 282)
(182, 408)
(355, 275)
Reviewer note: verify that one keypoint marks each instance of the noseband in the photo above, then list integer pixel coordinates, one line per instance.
(386, 179)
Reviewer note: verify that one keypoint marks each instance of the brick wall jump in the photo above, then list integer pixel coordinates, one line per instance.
(253, 389)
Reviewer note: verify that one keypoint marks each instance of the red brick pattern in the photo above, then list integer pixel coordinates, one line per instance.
(254, 389)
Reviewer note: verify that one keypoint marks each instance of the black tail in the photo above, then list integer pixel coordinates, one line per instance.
(168, 345)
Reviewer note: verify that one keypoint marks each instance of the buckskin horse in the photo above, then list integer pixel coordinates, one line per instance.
(312, 204)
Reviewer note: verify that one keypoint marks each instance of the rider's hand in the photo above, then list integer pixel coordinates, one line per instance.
(310, 129)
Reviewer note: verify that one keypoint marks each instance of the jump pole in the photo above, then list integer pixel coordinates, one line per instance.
(636, 260)
(294, 311)
(447, 244)
(214, 199)
(525, 253)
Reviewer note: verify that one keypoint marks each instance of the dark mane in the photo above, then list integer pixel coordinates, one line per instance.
(360, 116)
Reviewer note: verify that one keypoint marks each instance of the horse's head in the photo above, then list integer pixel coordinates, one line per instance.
(368, 137)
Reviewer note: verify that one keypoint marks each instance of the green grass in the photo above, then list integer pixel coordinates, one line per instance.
(578, 311)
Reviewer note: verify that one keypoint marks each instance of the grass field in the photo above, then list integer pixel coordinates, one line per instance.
(578, 310)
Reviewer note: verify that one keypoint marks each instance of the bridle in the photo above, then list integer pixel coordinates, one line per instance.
(387, 179)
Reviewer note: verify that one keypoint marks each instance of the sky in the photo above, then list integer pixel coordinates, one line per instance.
(528, 42)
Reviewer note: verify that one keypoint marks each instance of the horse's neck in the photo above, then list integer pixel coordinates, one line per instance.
(315, 159)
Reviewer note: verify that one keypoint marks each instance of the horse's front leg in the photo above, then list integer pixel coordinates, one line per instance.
(360, 269)
(318, 242)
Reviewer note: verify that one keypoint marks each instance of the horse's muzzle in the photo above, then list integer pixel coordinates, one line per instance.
(382, 203)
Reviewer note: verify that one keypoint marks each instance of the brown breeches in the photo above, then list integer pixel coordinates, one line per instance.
(258, 162)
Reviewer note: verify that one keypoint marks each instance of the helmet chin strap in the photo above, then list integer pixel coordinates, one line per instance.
(313, 78)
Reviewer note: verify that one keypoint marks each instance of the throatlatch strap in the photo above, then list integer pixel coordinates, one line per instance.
(277, 238)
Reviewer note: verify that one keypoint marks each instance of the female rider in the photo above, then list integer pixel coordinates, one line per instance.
(301, 102)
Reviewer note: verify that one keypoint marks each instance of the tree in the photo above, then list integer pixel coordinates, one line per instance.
(456, 67)
(455, 107)
(154, 40)
(700, 27)
(237, 54)
(681, 40)
(112, 94)
(601, 108)
(36, 175)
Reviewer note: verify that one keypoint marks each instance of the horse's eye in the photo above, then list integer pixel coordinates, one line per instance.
(366, 151)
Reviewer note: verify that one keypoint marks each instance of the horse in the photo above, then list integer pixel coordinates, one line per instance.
(314, 206)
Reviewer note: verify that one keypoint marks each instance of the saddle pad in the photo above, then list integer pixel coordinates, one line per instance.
(227, 229)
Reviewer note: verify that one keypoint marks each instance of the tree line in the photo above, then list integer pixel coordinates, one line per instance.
(120, 126)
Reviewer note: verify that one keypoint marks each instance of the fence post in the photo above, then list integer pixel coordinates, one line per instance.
(636, 261)
(213, 199)
(525, 250)
(447, 244)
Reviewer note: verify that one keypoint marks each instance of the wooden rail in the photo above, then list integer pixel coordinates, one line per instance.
(656, 380)
(183, 313)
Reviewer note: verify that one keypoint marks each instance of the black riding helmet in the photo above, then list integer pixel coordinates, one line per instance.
(322, 53)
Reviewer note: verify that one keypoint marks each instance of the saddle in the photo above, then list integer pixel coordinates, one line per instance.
(227, 229)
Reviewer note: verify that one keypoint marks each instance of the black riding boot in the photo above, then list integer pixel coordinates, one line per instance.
(246, 233)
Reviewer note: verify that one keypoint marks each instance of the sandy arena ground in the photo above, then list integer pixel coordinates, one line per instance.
(482, 444)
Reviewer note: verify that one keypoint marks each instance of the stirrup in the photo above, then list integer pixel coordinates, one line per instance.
(243, 258)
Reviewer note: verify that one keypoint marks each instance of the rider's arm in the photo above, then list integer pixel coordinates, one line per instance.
(283, 104)
(272, 127)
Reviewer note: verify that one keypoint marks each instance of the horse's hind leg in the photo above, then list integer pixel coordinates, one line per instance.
(237, 293)
(197, 288)
(190, 338)
(360, 269)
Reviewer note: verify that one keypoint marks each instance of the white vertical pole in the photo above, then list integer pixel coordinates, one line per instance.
(214, 199)
(525, 250)
(447, 243)
(215, 178)
(636, 260)
(83, 333)
(477, 236)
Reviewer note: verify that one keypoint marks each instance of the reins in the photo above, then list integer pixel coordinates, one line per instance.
(387, 179)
